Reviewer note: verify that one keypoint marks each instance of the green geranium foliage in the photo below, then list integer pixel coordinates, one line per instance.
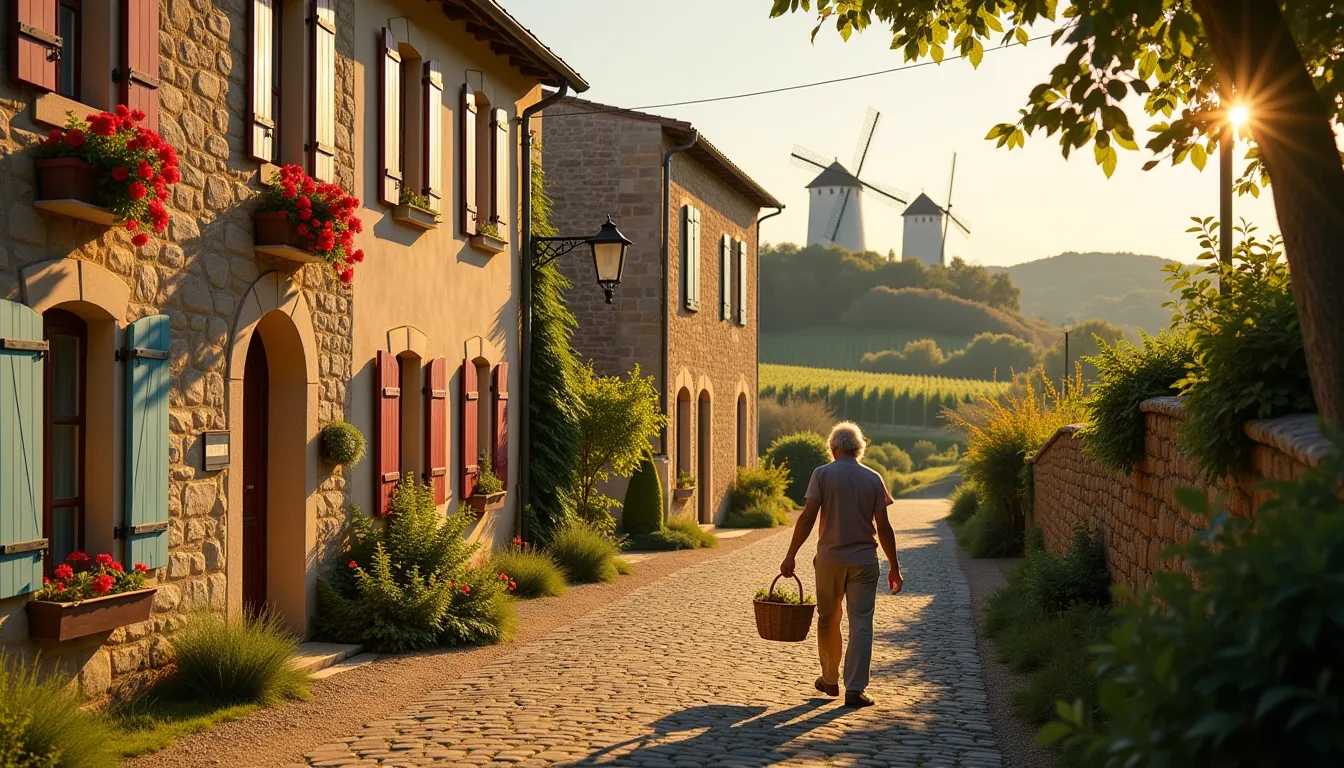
(1128, 374)
(1237, 661)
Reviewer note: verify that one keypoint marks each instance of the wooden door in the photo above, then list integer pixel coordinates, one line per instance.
(256, 418)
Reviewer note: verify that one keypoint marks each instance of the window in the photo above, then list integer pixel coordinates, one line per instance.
(64, 411)
(690, 257)
(412, 439)
(267, 83)
(725, 278)
(277, 83)
(742, 286)
(742, 429)
(69, 23)
(683, 433)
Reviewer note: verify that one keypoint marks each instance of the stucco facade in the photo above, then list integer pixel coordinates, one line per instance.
(601, 160)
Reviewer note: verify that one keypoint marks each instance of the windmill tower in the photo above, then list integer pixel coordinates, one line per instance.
(926, 225)
(835, 196)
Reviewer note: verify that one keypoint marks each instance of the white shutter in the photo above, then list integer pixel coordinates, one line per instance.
(434, 134)
(742, 282)
(261, 132)
(322, 99)
(499, 171)
(690, 247)
(389, 127)
(725, 278)
(466, 160)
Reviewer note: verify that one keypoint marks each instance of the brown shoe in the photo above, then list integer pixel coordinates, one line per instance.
(858, 699)
(830, 690)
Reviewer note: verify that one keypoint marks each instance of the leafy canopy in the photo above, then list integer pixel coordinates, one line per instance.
(1153, 50)
(619, 417)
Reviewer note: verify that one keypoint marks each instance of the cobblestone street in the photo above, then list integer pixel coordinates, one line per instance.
(675, 675)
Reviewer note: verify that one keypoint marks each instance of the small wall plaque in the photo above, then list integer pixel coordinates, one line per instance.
(216, 445)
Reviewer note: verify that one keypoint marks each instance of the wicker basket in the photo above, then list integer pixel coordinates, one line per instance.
(782, 622)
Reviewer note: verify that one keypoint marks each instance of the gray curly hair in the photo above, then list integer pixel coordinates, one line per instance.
(847, 437)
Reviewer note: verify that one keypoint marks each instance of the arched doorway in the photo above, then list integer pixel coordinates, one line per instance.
(683, 435)
(256, 460)
(742, 442)
(704, 449)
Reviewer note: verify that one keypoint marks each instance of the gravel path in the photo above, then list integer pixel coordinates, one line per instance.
(673, 675)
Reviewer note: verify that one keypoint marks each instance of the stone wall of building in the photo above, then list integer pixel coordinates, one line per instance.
(1137, 514)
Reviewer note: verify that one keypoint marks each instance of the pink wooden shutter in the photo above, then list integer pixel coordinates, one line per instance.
(35, 45)
(322, 96)
(499, 170)
(140, 58)
(470, 450)
(434, 134)
(436, 430)
(261, 131)
(387, 409)
(467, 161)
(389, 124)
(501, 455)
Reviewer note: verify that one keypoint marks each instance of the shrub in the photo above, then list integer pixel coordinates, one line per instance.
(584, 554)
(929, 310)
(619, 418)
(965, 501)
(535, 573)
(897, 483)
(680, 533)
(238, 661)
(688, 527)
(1249, 361)
(1126, 376)
(990, 532)
(776, 419)
(43, 724)
(890, 456)
(1086, 340)
(407, 585)
(757, 497)
(921, 451)
(800, 454)
(643, 512)
(992, 356)
(1234, 660)
(761, 516)
(342, 443)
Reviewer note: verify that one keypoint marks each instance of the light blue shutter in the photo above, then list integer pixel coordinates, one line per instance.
(742, 282)
(21, 542)
(146, 360)
(691, 260)
(725, 278)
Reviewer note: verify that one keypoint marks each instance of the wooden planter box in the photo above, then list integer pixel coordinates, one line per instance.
(68, 186)
(413, 216)
(275, 237)
(489, 244)
(486, 503)
(682, 494)
(65, 621)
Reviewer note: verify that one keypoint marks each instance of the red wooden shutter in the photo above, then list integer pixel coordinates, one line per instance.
(467, 161)
(389, 124)
(436, 430)
(261, 131)
(322, 91)
(35, 45)
(501, 455)
(387, 409)
(434, 134)
(140, 58)
(467, 425)
(499, 170)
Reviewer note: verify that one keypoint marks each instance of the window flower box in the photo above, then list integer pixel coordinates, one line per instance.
(486, 502)
(66, 186)
(681, 493)
(65, 621)
(415, 216)
(308, 221)
(487, 243)
(275, 236)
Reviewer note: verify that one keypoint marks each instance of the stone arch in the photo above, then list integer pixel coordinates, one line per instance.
(408, 338)
(274, 310)
(746, 453)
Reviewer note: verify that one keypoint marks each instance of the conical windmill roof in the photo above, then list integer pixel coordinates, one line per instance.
(835, 175)
(923, 206)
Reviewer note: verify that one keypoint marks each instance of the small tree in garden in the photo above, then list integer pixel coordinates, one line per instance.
(800, 454)
(643, 512)
(620, 417)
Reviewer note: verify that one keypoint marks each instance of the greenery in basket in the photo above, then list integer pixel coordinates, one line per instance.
(79, 578)
(342, 443)
(487, 482)
(416, 200)
(784, 596)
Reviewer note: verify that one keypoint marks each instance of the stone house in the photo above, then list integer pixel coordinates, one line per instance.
(686, 309)
(150, 352)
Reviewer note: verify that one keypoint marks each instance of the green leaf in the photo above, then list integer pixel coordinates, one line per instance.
(1272, 698)
(1198, 156)
(1052, 733)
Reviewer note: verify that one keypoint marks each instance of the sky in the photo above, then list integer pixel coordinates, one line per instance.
(1021, 205)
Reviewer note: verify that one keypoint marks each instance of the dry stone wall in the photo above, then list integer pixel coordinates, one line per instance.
(1137, 514)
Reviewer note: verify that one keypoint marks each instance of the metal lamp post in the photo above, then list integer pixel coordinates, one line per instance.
(1067, 330)
(608, 248)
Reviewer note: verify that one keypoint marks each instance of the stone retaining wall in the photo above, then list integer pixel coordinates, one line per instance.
(1137, 514)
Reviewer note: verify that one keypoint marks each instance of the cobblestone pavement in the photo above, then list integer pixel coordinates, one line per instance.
(674, 676)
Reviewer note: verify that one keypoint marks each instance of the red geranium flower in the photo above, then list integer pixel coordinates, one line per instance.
(466, 589)
(121, 172)
(75, 138)
(60, 587)
(136, 190)
(141, 568)
(77, 557)
(137, 115)
(145, 171)
(503, 577)
(140, 239)
(357, 256)
(102, 584)
(353, 564)
(103, 559)
(347, 276)
(513, 585)
(171, 175)
(132, 225)
(117, 567)
(302, 229)
(63, 571)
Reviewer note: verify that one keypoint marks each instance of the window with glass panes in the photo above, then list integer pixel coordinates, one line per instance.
(68, 21)
(64, 406)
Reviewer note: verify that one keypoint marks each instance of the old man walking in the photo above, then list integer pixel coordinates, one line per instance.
(852, 502)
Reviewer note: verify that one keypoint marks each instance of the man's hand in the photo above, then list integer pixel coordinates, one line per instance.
(786, 567)
(894, 579)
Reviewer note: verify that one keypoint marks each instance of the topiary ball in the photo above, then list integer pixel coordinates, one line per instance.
(643, 511)
(801, 453)
(342, 443)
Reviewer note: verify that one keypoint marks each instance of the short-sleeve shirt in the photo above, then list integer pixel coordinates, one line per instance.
(850, 495)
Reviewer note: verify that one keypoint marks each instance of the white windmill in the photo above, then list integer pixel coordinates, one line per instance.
(835, 196)
(926, 225)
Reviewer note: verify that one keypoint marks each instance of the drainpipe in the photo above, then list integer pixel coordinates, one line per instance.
(525, 331)
(778, 210)
(667, 315)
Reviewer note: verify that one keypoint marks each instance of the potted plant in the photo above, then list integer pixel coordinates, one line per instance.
(415, 210)
(305, 220)
(685, 486)
(488, 238)
(489, 493)
(107, 169)
(341, 443)
(84, 597)
(782, 615)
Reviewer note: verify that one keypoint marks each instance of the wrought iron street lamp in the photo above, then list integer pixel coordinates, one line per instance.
(608, 248)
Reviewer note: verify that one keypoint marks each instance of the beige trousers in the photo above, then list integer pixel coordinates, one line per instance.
(857, 587)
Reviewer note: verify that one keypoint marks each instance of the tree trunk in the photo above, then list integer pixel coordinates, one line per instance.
(1256, 54)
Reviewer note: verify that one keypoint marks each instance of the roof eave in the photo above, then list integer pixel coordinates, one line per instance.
(523, 37)
(747, 185)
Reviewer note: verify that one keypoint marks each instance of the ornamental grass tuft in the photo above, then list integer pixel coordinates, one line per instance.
(584, 554)
(535, 573)
(238, 661)
(44, 725)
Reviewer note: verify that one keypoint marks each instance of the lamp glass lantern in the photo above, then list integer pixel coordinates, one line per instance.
(609, 249)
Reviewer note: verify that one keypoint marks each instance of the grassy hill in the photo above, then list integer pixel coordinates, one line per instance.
(835, 347)
(1127, 289)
